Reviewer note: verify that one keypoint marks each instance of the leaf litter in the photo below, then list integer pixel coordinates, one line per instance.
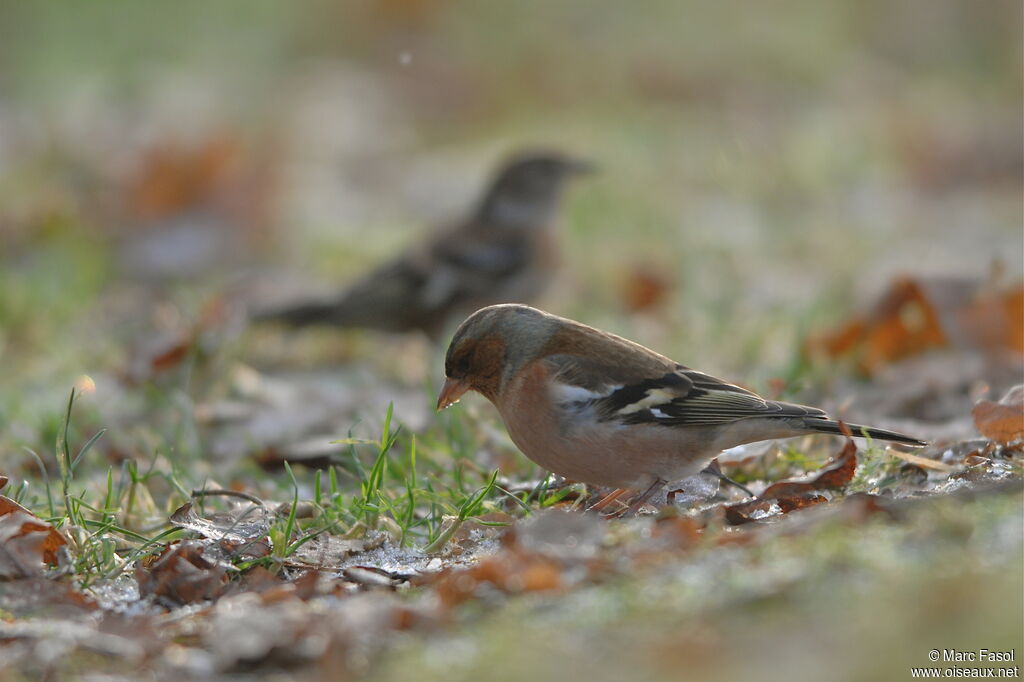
(225, 600)
(28, 545)
(221, 603)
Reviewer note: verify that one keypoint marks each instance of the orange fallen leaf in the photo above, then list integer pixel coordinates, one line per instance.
(903, 322)
(788, 496)
(645, 288)
(172, 356)
(916, 315)
(173, 177)
(1001, 421)
(540, 576)
(27, 538)
(181, 574)
(684, 531)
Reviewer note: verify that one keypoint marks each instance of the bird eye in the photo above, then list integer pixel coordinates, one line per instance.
(459, 365)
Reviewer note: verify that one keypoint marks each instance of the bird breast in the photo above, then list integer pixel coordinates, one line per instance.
(581, 448)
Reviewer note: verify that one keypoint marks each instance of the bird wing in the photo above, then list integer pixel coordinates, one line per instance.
(495, 256)
(678, 397)
(421, 286)
(460, 269)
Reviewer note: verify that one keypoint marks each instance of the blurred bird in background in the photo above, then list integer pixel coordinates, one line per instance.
(506, 251)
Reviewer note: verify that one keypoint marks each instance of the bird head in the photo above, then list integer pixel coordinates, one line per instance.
(527, 188)
(490, 346)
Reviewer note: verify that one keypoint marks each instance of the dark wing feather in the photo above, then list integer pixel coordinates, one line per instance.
(418, 288)
(682, 397)
(490, 258)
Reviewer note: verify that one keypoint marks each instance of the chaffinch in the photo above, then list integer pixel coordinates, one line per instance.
(505, 251)
(597, 408)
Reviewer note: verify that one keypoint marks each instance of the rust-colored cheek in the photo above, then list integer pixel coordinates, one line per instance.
(488, 363)
(451, 392)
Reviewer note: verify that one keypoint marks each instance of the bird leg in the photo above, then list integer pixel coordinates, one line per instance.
(607, 499)
(634, 504)
(639, 500)
(716, 471)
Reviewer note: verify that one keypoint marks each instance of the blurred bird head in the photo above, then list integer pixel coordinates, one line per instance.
(527, 188)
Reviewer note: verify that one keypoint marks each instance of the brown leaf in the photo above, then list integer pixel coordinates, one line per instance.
(273, 588)
(915, 315)
(995, 320)
(27, 543)
(1002, 421)
(259, 579)
(7, 506)
(171, 356)
(551, 551)
(903, 322)
(645, 288)
(859, 507)
(178, 340)
(173, 177)
(684, 531)
(509, 571)
(540, 576)
(181, 574)
(787, 496)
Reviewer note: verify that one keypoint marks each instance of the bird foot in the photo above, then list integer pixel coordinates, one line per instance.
(715, 471)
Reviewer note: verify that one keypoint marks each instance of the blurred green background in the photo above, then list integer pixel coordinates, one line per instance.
(776, 167)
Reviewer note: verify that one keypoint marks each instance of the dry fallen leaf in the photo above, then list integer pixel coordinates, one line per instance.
(509, 571)
(916, 314)
(645, 288)
(27, 543)
(786, 496)
(683, 531)
(552, 551)
(1002, 421)
(181, 574)
(173, 177)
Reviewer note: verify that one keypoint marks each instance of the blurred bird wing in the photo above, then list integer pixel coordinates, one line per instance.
(487, 254)
(440, 286)
(465, 265)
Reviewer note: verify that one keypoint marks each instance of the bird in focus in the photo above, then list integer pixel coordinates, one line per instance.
(506, 250)
(597, 408)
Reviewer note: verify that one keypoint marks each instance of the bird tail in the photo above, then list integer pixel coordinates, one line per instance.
(302, 315)
(859, 431)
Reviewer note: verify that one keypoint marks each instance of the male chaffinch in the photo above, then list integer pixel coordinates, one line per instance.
(597, 408)
(505, 251)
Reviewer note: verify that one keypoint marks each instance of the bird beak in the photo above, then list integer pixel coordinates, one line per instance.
(450, 393)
